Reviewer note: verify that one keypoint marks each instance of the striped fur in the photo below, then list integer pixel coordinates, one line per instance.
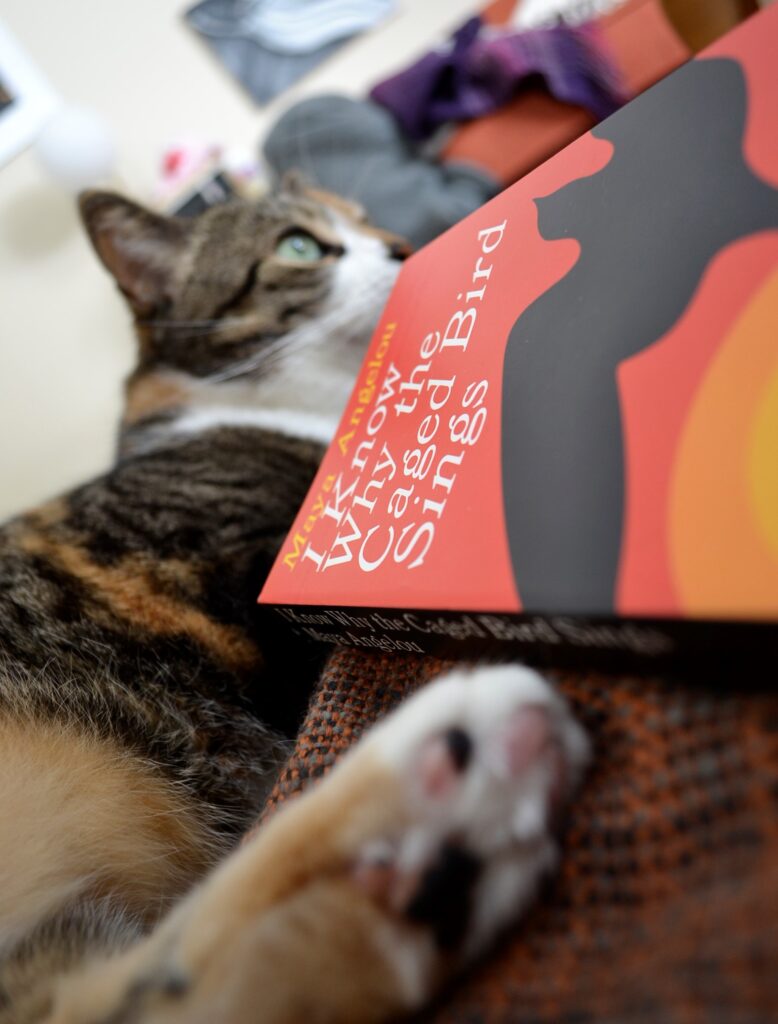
(144, 702)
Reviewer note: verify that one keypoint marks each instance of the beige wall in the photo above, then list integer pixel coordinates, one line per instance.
(64, 338)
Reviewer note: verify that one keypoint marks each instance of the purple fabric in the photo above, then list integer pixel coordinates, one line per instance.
(482, 70)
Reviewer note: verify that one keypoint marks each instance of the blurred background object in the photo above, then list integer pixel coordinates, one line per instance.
(27, 100)
(699, 22)
(65, 343)
(76, 148)
(268, 45)
(186, 134)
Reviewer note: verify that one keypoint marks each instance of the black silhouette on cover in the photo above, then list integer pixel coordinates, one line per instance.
(675, 191)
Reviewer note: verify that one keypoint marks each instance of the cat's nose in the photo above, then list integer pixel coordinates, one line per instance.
(399, 249)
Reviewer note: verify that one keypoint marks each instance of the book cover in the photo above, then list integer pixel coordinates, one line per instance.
(567, 419)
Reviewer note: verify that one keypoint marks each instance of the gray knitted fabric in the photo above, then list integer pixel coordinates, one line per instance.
(356, 149)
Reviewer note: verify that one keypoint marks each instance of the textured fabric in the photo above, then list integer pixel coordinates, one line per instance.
(270, 44)
(664, 909)
(263, 72)
(482, 69)
(532, 127)
(356, 149)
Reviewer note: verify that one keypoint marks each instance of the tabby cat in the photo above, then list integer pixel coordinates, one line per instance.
(145, 708)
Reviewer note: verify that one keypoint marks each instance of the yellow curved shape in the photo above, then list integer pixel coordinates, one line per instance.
(724, 489)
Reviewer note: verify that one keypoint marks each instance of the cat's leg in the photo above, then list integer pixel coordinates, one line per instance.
(357, 901)
(94, 845)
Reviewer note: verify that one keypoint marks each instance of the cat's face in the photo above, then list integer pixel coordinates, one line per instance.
(265, 305)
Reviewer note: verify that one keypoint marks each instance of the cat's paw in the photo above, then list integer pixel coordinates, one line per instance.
(356, 901)
(487, 760)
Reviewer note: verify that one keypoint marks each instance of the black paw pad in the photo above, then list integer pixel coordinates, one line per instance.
(460, 746)
(443, 899)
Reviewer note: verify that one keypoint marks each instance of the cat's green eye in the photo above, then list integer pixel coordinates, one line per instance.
(301, 247)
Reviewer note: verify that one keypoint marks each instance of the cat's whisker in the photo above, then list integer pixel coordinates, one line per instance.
(178, 323)
(203, 326)
(270, 352)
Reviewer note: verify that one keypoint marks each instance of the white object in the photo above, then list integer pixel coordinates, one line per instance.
(544, 13)
(33, 101)
(241, 163)
(76, 148)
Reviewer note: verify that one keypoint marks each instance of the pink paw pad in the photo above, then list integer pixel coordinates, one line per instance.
(526, 735)
(442, 762)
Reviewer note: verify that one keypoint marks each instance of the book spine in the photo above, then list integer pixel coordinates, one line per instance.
(709, 648)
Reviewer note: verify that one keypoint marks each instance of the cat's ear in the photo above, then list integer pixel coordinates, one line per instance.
(294, 183)
(140, 248)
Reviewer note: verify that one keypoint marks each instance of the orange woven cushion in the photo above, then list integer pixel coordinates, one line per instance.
(664, 910)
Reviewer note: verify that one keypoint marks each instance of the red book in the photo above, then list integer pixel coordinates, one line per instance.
(564, 436)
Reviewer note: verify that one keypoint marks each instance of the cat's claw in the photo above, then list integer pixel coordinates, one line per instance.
(426, 841)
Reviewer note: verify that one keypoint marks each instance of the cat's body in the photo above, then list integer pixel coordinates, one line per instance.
(145, 705)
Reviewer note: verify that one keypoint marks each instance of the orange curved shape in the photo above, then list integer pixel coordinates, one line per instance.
(723, 563)
(763, 464)
(657, 390)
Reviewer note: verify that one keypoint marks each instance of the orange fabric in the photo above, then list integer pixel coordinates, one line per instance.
(663, 911)
(644, 42)
(510, 142)
(498, 12)
(517, 138)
